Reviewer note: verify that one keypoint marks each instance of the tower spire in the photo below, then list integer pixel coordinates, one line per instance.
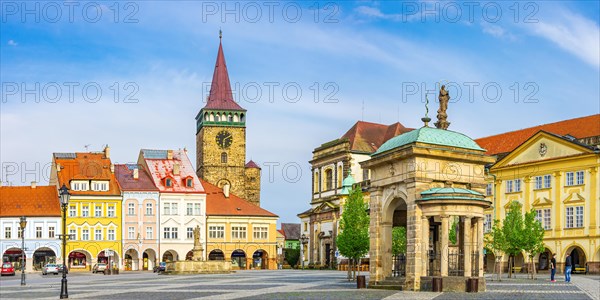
(221, 95)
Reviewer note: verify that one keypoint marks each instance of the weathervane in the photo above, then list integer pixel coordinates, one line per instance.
(426, 119)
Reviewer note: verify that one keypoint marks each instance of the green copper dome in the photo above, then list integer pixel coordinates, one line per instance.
(450, 193)
(432, 136)
(347, 185)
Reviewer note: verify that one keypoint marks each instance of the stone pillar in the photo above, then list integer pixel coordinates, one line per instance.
(467, 246)
(444, 248)
(386, 248)
(424, 244)
(479, 229)
(248, 263)
(28, 264)
(375, 233)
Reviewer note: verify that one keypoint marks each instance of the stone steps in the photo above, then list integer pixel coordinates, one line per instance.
(390, 283)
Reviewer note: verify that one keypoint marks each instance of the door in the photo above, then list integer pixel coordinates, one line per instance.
(327, 254)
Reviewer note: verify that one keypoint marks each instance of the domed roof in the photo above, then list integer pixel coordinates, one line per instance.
(430, 135)
(347, 184)
(451, 193)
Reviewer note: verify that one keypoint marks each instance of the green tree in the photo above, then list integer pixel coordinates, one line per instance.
(453, 230)
(533, 236)
(398, 240)
(353, 241)
(513, 232)
(292, 255)
(496, 243)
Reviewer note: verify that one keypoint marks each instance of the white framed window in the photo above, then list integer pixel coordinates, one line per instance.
(166, 208)
(189, 182)
(509, 186)
(190, 233)
(100, 186)
(569, 178)
(547, 218)
(38, 232)
(260, 232)
(85, 234)
(79, 185)
(487, 223)
(216, 232)
(72, 210)
(189, 209)
(111, 211)
(547, 181)
(7, 232)
(98, 234)
(131, 209)
(149, 233)
(238, 232)
(579, 216)
(570, 217)
(85, 211)
(73, 233)
(517, 185)
(174, 232)
(197, 209)
(167, 233)
(579, 177)
(538, 183)
(111, 235)
(97, 211)
(488, 189)
(544, 216)
(174, 209)
(51, 232)
(131, 232)
(149, 209)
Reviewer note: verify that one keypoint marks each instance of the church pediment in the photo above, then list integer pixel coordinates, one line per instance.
(542, 201)
(574, 198)
(325, 207)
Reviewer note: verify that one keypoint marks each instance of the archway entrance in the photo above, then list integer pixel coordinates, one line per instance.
(216, 255)
(395, 215)
(544, 260)
(238, 259)
(260, 259)
(43, 256)
(132, 260)
(14, 256)
(489, 262)
(79, 259)
(578, 258)
(170, 255)
(149, 259)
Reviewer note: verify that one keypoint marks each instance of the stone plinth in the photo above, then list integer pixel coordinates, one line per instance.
(450, 284)
(198, 267)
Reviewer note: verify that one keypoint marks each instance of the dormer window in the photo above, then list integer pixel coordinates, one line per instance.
(189, 182)
(79, 185)
(168, 182)
(100, 186)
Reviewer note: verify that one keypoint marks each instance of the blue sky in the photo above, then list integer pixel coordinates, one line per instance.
(513, 66)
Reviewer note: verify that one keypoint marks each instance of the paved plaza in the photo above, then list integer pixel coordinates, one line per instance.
(280, 284)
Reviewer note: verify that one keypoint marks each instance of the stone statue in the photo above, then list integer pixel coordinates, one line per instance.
(444, 98)
(197, 250)
(197, 236)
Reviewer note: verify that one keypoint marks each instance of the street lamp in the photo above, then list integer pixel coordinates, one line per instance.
(64, 202)
(23, 224)
(303, 240)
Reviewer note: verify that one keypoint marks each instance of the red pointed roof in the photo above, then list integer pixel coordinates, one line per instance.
(368, 137)
(506, 142)
(221, 96)
(252, 164)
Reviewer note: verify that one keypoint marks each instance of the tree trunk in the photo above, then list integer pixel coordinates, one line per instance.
(349, 269)
(353, 269)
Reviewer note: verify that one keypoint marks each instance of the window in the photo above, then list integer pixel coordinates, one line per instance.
(579, 216)
(73, 234)
(167, 209)
(131, 232)
(98, 235)
(517, 185)
(7, 232)
(572, 214)
(547, 181)
(174, 209)
(72, 211)
(487, 223)
(340, 176)
(197, 210)
(131, 209)
(543, 215)
(316, 182)
(149, 233)
(79, 185)
(51, 231)
(99, 186)
(509, 186)
(579, 177)
(169, 182)
(111, 211)
(85, 211)
(238, 232)
(19, 233)
(189, 182)
(305, 226)
(85, 235)
(38, 232)
(149, 209)
(547, 218)
(189, 209)
(111, 235)
(223, 158)
(365, 174)
(261, 232)
(230, 118)
(190, 233)
(538, 183)
(216, 232)
(167, 232)
(174, 232)
(328, 179)
(488, 189)
(98, 211)
(569, 179)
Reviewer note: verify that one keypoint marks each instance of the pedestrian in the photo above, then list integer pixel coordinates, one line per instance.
(568, 268)
(553, 267)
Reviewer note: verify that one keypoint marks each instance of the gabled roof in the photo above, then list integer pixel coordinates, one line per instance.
(124, 174)
(86, 166)
(291, 231)
(219, 205)
(160, 166)
(252, 164)
(17, 201)
(506, 142)
(221, 96)
(368, 137)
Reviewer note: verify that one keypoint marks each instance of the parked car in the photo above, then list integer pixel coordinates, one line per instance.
(7, 269)
(50, 268)
(162, 266)
(60, 268)
(99, 268)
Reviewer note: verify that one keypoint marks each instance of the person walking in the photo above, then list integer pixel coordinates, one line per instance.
(553, 267)
(568, 266)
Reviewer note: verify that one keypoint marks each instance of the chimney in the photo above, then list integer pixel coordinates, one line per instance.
(57, 167)
(112, 168)
(169, 154)
(33, 184)
(107, 151)
(136, 173)
(226, 190)
(176, 169)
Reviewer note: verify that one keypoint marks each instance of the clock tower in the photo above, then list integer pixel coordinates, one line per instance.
(221, 139)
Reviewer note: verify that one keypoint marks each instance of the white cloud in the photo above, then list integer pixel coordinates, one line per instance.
(574, 33)
(374, 12)
(497, 31)
(12, 43)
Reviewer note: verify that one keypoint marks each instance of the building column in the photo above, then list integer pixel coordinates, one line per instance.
(467, 246)
(28, 264)
(424, 244)
(249, 261)
(444, 248)
(593, 204)
(479, 229)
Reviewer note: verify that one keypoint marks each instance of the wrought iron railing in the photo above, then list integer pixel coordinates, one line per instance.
(399, 265)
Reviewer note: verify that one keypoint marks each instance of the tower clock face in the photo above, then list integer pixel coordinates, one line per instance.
(224, 139)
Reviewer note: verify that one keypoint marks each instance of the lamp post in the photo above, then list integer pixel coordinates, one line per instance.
(23, 224)
(303, 240)
(64, 202)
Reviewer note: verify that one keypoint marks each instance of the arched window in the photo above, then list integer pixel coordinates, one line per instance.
(218, 117)
(236, 118)
(212, 117)
(328, 179)
(205, 116)
(223, 158)
(316, 180)
(340, 176)
(242, 118)
(229, 118)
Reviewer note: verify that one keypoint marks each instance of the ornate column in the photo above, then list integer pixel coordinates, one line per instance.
(479, 229)
(467, 246)
(424, 244)
(444, 248)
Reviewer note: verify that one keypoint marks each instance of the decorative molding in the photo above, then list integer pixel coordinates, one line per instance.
(573, 198)
(542, 201)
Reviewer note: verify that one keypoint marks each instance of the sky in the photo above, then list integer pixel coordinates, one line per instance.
(76, 76)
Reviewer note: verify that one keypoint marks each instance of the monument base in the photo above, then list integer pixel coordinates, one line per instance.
(198, 267)
(450, 283)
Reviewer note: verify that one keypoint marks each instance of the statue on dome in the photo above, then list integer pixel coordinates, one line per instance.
(442, 116)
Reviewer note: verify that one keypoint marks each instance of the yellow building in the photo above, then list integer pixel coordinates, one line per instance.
(553, 169)
(94, 212)
(239, 231)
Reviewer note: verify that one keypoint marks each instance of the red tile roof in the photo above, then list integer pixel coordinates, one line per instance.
(252, 164)
(124, 174)
(17, 201)
(218, 205)
(161, 167)
(221, 96)
(506, 142)
(86, 165)
(368, 137)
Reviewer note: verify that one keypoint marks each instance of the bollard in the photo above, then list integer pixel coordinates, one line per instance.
(361, 282)
(437, 284)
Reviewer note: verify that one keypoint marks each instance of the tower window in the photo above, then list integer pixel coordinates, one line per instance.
(218, 118)
(205, 116)
(223, 158)
(242, 118)
(230, 118)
